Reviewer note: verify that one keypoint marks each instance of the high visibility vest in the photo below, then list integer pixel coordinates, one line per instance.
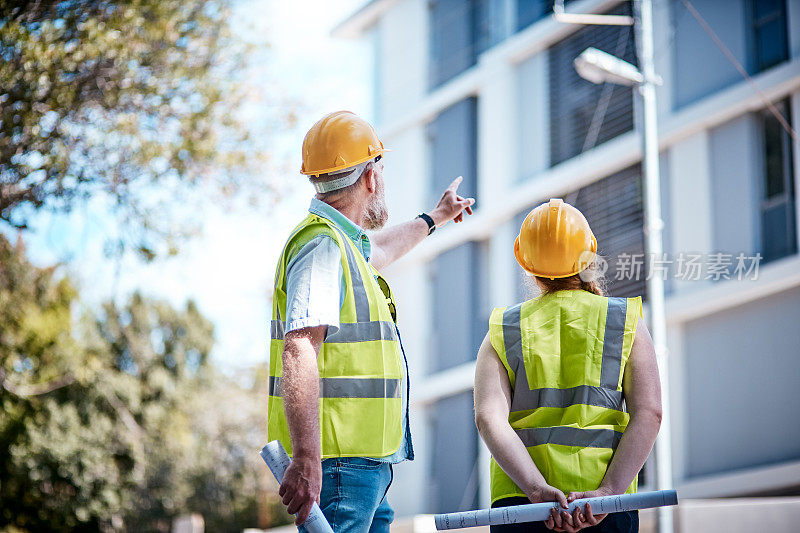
(565, 353)
(360, 365)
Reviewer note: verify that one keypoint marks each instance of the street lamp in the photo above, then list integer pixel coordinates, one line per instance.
(599, 67)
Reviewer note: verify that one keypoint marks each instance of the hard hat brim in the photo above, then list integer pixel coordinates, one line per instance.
(344, 166)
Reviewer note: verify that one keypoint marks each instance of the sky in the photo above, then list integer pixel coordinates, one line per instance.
(228, 269)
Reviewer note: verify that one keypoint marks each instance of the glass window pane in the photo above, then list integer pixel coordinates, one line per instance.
(454, 308)
(453, 479)
(771, 43)
(766, 7)
(452, 39)
(490, 24)
(453, 137)
(778, 222)
(529, 11)
(582, 114)
(774, 157)
(778, 231)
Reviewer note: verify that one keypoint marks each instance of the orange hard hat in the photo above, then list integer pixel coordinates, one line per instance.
(338, 141)
(555, 241)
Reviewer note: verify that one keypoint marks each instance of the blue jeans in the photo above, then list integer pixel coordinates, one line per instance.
(353, 496)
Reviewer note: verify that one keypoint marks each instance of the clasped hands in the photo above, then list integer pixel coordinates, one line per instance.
(560, 519)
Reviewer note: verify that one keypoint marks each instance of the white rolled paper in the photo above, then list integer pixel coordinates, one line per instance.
(278, 461)
(535, 512)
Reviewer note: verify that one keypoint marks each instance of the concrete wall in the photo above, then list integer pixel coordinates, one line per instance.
(700, 68)
(776, 515)
(532, 95)
(735, 170)
(403, 61)
(741, 369)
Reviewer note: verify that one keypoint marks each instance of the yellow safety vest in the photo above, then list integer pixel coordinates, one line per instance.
(565, 353)
(360, 365)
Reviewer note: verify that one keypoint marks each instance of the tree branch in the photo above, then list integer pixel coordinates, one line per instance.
(25, 391)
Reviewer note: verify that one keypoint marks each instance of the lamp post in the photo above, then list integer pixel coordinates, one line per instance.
(599, 67)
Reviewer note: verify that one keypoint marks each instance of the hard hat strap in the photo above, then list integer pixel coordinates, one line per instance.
(344, 181)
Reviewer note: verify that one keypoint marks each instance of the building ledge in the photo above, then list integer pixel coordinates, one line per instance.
(444, 383)
(360, 21)
(743, 482)
(774, 277)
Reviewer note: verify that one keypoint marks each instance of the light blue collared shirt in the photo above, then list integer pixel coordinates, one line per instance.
(315, 290)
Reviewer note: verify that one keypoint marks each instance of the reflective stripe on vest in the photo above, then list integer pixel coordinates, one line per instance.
(524, 398)
(569, 436)
(376, 330)
(359, 291)
(347, 387)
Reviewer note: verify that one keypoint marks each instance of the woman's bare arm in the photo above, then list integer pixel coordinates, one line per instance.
(642, 389)
(492, 406)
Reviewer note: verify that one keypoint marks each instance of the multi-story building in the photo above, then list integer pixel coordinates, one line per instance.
(486, 89)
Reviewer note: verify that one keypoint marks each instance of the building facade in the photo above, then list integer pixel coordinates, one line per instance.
(486, 89)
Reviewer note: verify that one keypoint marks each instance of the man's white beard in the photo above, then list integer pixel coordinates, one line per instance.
(377, 213)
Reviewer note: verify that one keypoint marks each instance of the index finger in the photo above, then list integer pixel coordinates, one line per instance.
(455, 183)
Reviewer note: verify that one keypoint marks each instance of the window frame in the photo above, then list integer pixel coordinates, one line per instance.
(788, 195)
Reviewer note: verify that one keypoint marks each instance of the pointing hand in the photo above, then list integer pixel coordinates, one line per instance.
(452, 206)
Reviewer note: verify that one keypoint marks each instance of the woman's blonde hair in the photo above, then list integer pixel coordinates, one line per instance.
(590, 279)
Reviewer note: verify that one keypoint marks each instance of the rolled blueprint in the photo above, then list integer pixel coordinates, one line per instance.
(535, 512)
(278, 461)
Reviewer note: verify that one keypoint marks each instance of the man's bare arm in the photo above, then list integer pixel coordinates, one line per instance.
(392, 243)
(302, 481)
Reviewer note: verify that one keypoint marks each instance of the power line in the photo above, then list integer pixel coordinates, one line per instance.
(735, 62)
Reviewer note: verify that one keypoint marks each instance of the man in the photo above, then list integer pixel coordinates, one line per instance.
(338, 374)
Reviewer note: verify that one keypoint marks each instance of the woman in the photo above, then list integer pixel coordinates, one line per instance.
(551, 377)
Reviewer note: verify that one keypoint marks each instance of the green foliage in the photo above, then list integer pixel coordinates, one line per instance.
(118, 422)
(134, 101)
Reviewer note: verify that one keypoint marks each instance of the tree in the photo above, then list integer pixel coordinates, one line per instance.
(134, 101)
(58, 452)
(118, 421)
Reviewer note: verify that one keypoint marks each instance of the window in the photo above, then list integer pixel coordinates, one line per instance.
(453, 480)
(778, 222)
(582, 114)
(460, 308)
(453, 141)
(615, 211)
(769, 36)
(453, 151)
(460, 31)
(529, 11)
